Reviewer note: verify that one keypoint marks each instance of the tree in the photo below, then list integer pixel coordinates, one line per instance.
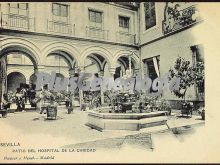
(189, 75)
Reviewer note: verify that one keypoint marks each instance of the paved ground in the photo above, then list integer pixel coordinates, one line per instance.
(69, 131)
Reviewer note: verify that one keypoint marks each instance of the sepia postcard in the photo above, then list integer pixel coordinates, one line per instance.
(109, 82)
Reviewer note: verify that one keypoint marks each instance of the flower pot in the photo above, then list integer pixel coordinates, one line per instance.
(51, 112)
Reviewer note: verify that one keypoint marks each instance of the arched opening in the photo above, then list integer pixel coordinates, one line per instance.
(17, 51)
(14, 80)
(61, 62)
(65, 65)
(97, 65)
(20, 61)
(93, 64)
(125, 67)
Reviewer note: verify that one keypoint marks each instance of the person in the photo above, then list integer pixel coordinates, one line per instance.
(5, 102)
(72, 98)
(67, 100)
(19, 100)
(32, 95)
(45, 96)
(24, 92)
(141, 107)
(191, 107)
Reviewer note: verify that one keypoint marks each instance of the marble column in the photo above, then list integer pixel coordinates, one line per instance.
(101, 74)
(129, 60)
(80, 69)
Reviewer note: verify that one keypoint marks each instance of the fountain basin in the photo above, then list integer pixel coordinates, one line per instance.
(125, 121)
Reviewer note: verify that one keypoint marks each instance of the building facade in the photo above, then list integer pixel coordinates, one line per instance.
(111, 39)
(168, 31)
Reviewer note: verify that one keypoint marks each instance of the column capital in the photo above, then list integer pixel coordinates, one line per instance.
(101, 73)
(71, 72)
(112, 71)
(136, 70)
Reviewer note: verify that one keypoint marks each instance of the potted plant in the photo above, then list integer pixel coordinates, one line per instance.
(188, 75)
(52, 107)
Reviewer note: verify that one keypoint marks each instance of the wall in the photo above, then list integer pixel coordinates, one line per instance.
(169, 47)
(78, 15)
(156, 31)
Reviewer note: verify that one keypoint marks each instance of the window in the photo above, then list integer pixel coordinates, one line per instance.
(95, 18)
(150, 14)
(18, 8)
(60, 12)
(124, 24)
(151, 68)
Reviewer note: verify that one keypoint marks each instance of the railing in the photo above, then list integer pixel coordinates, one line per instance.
(24, 23)
(94, 32)
(17, 22)
(125, 37)
(60, 27)
(179, 19)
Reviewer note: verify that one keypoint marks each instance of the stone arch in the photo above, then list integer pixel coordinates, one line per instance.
(121, 53)
(97, 50)
(70, 61)
(69, 52)
(22, 71)
(96, 60)
(23, 46)
(104, 64)
(123, 64)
